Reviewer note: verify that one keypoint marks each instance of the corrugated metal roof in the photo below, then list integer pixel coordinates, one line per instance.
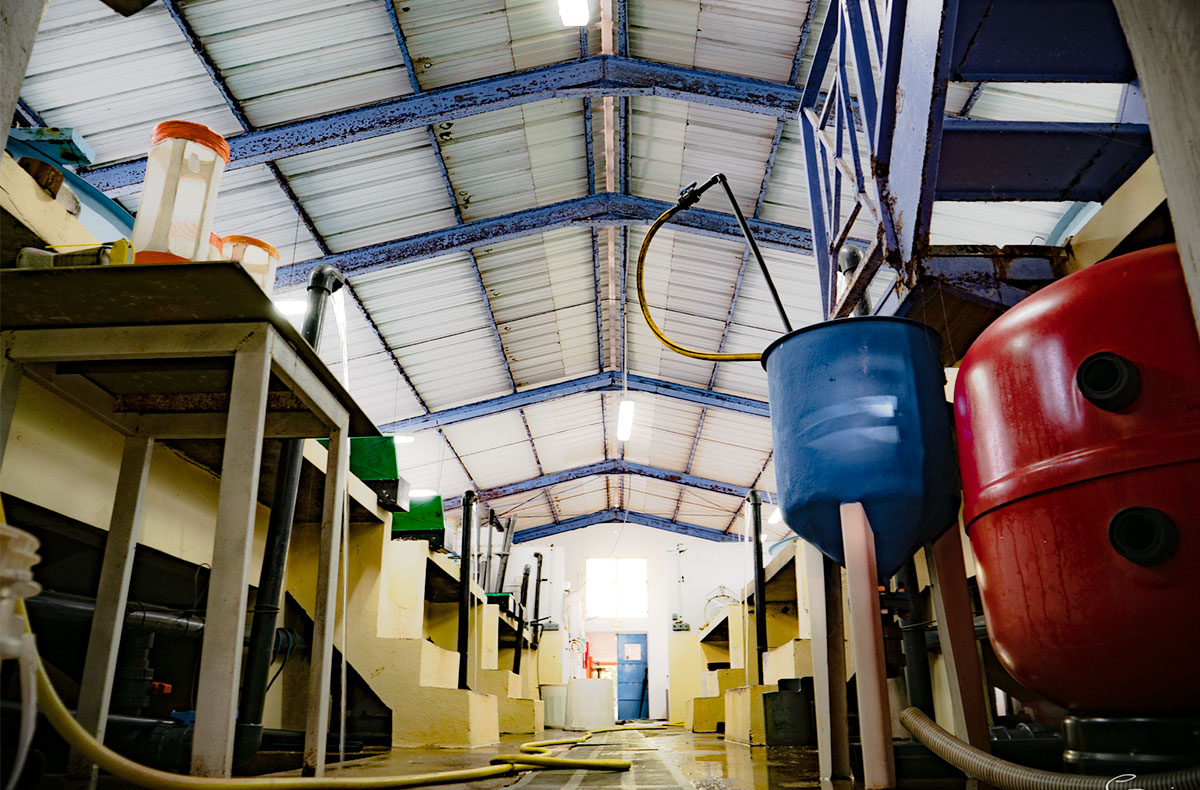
(371, 191)
(114, 78)
(525, 315)
(285, 60)
(435, 319)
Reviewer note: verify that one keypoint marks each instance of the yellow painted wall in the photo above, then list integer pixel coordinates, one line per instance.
(683, 671)
(64, 460)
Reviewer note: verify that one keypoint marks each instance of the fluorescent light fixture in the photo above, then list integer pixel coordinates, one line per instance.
(291, 306)
(403, 438)
(422, 493)
(574, 13)
(625, 420)
(776, 517)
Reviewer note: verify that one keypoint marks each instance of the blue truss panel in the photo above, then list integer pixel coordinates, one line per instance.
(589, 211)
(609, 381)
(611, 466)
(626, 516)
(599, 75)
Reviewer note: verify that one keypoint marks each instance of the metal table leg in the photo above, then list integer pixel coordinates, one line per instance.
(225, 620)
(99, 668)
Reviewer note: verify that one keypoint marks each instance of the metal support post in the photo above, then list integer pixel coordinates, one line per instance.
(760, 585)
(464, 593)
(316, 730)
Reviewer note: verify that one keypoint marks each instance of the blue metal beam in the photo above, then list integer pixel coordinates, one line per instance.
(600, 210)
(618, 515)
(598, 75)
(608, 381)
(611, 466)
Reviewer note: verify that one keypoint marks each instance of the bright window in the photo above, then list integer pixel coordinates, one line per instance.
(617, 587)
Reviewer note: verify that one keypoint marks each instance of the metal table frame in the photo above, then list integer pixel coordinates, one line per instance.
(258, 350)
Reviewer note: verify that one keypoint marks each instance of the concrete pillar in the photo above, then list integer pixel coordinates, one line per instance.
(1164, 37)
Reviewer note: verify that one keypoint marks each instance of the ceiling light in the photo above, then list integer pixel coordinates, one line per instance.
(421, 493)
(625, 420)
(574, 13)
(403, 438)
(776, 517)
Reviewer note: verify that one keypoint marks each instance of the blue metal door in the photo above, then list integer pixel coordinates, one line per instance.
(633, 694)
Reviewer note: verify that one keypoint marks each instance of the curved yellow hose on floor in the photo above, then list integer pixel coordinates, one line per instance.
(534, 755)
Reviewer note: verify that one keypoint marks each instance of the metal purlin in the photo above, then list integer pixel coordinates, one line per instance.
(235, 107)
(797, 62)
(623, 515)
(757, 480)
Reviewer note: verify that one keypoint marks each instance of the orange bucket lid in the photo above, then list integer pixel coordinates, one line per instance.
(197, 132)
(253, 242)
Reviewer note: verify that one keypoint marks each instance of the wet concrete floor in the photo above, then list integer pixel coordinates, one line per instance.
(667, 758)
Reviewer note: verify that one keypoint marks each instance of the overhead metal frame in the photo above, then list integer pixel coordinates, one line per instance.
(623, 516)
(593, 76)
(607, 381)
(611, 466)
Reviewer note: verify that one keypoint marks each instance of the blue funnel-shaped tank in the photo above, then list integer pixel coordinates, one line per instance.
(859, 414)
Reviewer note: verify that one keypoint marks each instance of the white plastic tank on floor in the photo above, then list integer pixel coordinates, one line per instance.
(554, 695)
(590, 704)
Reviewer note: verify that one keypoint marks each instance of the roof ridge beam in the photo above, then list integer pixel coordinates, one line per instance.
(608, 381)
(625, 516)
(598, 75)
(600, 210)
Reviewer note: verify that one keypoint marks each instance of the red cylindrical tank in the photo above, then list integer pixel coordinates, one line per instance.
(1078, 422)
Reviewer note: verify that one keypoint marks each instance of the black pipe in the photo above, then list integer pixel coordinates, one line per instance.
(464, 594)
(537, 602)
(916, 653)
(322, 283)
(521, 622)
(64, 608)
(760, 584)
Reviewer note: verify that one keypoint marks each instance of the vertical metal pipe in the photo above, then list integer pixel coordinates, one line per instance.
(521, 622)
(537, 601)
(464, 595)
(486, 581)
(916, 653)
(760, 584)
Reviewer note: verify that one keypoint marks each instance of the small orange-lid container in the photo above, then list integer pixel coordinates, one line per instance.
(179, 193)
(258, 258)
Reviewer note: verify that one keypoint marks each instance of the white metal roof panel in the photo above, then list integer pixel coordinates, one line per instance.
(733, 447)
(756, 38)
(495, 449)
(434, 317)
(285, 60)
(371, 191)
(567, 433)
(114, 78)
(456, 42)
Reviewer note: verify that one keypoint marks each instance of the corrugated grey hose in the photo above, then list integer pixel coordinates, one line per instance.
(1010, 776)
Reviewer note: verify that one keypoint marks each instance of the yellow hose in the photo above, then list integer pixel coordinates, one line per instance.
(641, 292)
(534, 755)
